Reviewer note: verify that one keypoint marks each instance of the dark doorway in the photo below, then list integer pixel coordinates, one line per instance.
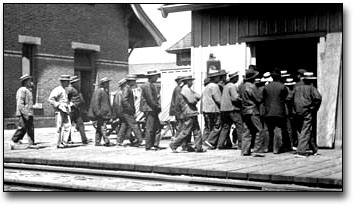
(85, 69)
(287, 54)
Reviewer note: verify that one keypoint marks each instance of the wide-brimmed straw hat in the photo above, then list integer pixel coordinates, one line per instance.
(104, 80)
(233, 75)
(122, 82)
(74, 79)
(284, 73)
(178, 78)
(309, 76)
(289, 82)
(64, 78)
(153, 72)
(130, 77)
(25, 77)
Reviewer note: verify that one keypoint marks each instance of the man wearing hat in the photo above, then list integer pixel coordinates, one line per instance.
(230, 111)
(100, 111)
(174, 105)
(59, 100)
(222, 82)
(274, 96)
(211, 101)
(24, 111)
(300, 76)
(150, 105)
(188, 102)
(128, 122)
(289, 83)
(250, 100)
(76, 103)
(307, 101)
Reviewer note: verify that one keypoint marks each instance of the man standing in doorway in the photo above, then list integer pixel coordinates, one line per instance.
(100, 110)
(307, 101)
(59, 100)
(150, 105)
(24, 111)
(274, 96)
(251, 100)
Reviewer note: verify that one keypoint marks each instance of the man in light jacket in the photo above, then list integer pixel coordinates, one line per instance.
(59, 100)
(211, 100)
(188, 103)
(24, 111)
(231, 111)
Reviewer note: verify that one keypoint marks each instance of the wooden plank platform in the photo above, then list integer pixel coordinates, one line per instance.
(317, 171)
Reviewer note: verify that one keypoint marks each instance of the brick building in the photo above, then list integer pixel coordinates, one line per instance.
(88, 40)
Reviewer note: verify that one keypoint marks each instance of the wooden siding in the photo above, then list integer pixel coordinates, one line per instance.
(239, 22)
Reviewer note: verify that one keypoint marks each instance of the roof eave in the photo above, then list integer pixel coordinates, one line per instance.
(148, 24)
(172, 8)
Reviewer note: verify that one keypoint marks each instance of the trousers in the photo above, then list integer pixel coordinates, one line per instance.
(190, 126)
(153, 130)
(306, 138)
(25, 126)
(252, 130)
(214, 121)
(63, 127)
(128, 123)
(77, 119)
(274, 145)
(229, 118)
(101, 132)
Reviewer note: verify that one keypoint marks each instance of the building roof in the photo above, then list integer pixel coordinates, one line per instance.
(171, 8)
(182, 44)
(142, 31)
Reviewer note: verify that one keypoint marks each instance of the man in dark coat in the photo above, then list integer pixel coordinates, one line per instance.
(231, 111)
(100, 110)
(76, 104)
(274, 96)
(250, 100)
(174, 105)
(149, 104)
(128, 117)
(307, 101)
(188, 102)
(24, 111)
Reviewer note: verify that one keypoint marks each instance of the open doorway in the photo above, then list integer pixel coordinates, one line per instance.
(287, 54)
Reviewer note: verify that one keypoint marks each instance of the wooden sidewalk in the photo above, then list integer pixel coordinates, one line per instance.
(323, 171)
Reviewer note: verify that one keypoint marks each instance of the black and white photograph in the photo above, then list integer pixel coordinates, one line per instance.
(195, 97)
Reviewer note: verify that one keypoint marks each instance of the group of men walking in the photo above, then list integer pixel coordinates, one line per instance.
(257, 108)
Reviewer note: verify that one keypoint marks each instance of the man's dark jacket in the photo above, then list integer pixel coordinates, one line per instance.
(100, 105)
(274, 96)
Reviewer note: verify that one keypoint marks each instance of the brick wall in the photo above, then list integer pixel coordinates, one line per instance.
(58, 25)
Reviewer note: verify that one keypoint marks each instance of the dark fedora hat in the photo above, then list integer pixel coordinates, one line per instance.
(276, 72)
(186, 78)
(25, 77)
(178, 78)
(250, 74)
(206, 81)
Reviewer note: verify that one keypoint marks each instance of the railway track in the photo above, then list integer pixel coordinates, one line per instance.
(26, 177)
